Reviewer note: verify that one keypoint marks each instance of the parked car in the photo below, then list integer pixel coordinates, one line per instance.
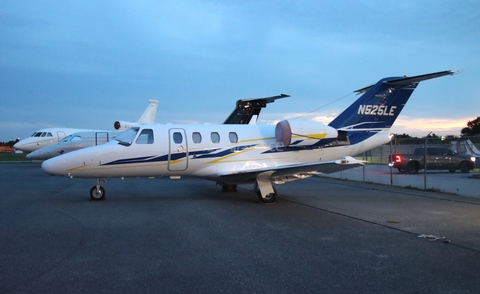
(437, 158)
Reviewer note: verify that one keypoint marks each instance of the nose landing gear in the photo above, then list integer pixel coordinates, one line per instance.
(97, 192)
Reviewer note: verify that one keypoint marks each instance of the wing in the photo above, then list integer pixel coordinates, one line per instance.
(246, 108)
(287, 173)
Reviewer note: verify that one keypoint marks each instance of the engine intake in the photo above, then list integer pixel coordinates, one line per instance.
(123, 125)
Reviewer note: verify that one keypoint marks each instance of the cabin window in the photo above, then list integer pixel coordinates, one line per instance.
(177, 137)
(145, 137)
(196, 137)
(49, 134)
(215, 137)
(39, 134)
(233, 137)
(44, 134)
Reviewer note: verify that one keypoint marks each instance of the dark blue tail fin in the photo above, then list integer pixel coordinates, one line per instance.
(381, 104)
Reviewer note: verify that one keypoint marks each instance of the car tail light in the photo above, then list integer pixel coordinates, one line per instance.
(398, 158)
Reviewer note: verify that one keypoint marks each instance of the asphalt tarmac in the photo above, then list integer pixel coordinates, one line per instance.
(323, 235)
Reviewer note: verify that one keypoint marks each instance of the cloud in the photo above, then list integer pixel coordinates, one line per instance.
(443, 126)
(403, 124)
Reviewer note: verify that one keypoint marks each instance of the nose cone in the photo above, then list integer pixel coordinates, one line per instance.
(27, 145)
(22, 145)
(36, 155)
(54, 166)
(44, 153)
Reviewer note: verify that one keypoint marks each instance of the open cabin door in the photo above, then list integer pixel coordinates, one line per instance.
(101, 138)
(61, 135)
(178, 150)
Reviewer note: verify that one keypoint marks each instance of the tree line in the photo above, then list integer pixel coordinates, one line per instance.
(9, 143)
(472, 129)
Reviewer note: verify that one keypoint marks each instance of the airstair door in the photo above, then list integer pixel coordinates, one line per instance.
(61, 135)
(178, 150)
(101, 138)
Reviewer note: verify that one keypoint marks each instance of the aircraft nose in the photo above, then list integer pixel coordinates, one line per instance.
(26, 145)
(53, 166)
(18, 146)
(33, 155)
(39, 154)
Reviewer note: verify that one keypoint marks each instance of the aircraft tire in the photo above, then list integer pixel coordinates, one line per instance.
(271, 198)
(229, 188)
(97, 195)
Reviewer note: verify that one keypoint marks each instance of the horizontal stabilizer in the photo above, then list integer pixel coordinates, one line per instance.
(410, 80)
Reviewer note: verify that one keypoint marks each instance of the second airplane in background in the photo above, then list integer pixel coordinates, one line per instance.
(49, 136)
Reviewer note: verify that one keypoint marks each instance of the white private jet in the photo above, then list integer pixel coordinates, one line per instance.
(48, 136)
(233, 154)
(73, 142)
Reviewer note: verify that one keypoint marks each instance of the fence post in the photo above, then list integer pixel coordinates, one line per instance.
(425, 164)
(391, 160)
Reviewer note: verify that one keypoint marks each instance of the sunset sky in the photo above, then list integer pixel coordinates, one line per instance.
(86, 64)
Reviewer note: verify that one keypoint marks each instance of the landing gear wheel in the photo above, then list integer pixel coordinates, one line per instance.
(229, 188)
(270, 198)
(97, 193)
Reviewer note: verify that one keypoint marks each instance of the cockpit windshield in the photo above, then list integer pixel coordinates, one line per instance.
(41, 134)
(67, 138)
(126, 137)
(72, 138)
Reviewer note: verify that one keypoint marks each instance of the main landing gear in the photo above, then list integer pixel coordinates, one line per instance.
(97, 192)
(263, 187)
(229, 188)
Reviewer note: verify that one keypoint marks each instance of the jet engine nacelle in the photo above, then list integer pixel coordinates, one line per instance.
(123, 125)
(302, 133)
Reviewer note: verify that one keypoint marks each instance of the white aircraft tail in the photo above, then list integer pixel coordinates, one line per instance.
(148, 116)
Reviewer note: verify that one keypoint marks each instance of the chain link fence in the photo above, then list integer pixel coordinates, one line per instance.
(377, 169)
